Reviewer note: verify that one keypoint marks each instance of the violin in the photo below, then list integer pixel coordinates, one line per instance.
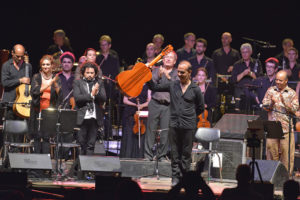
(139, 126)
(203, 122)
(72, 103)
(131, 82)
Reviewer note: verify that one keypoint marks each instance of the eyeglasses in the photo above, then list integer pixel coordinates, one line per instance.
(181, 72)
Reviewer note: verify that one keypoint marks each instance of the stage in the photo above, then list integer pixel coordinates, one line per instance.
(52, 186)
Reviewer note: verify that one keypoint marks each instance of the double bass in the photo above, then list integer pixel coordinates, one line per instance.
(131, 82)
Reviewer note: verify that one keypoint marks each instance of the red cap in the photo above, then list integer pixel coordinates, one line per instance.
(67, 54)
(272, 58)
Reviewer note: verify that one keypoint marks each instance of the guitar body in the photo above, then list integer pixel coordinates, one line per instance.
(20, 109)
(131, 82)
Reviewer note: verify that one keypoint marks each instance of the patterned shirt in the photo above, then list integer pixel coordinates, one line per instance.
(289, 97)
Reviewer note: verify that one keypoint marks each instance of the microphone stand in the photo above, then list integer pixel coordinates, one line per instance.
(290, 116)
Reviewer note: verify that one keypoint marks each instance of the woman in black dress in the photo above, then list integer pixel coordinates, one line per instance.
(130, 141)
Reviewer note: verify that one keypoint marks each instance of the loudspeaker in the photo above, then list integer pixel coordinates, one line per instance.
(271, 171)
(14, 179)
(232, 153)
(100, 164)
(30, 161)
(234, 126)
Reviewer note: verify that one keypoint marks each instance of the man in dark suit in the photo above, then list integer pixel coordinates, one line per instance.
(89, 94)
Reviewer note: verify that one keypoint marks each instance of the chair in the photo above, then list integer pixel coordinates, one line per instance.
(15, 127)
(209, 135)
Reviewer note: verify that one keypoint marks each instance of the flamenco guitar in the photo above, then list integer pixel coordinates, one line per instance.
(131, 82)
(23, 98)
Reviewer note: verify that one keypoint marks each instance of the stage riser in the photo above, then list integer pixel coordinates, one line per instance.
(137, 168)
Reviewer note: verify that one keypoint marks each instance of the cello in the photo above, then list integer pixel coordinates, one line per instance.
(131, 82)
(203, 122)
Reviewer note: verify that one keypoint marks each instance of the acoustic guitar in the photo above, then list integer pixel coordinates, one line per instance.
(131, 82)
(23, 98)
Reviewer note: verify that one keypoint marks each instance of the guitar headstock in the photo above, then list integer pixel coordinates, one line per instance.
(26, 57)
(167, 50)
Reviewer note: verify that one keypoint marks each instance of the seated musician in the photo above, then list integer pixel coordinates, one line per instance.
(209, 91)
(244, 71)
(45, 93)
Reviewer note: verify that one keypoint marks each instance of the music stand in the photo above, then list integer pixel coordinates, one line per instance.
(254, 135)
(273, 129)
(55, 122)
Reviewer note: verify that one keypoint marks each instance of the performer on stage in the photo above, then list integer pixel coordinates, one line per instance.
(201, 60)
(283, 99)
(45, 92)
(262, 84)
(187, 51)
(287, 43)
(61, 43)
(208, 91)
(89, 93)
(130, 141)
(244, 71)
(186, 103)
(67, 60)
(293, 67)
(108, 61)
(159, 111)
(13, 75)
(90, 56)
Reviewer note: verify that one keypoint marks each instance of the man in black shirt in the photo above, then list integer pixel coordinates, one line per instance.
(244, 71)
(187, 50)
(224, 58)
(200, 60)
(262, 84)
(13, 75)
(293, 67)
(186, 103)
(108, 61)
(287, 43)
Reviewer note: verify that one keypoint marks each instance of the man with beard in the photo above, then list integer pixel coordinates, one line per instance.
(200, 60)
(89, 93)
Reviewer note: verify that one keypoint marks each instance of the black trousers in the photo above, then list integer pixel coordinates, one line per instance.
(87, 136)
(181, 141)
(158, 118)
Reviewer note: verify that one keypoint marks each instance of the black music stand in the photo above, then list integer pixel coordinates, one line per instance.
(56, 122)
(254, 136)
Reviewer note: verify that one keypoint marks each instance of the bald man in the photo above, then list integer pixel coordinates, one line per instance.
(283, 99)
(12, 75)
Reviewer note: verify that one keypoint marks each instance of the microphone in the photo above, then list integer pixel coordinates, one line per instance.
(264, 106)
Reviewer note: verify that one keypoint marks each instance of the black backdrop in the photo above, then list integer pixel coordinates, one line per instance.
(131, 24)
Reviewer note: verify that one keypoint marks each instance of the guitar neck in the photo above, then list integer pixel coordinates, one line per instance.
(26, 70)
(155, 60)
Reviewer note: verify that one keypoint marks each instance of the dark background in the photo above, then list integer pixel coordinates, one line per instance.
(132, 24)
